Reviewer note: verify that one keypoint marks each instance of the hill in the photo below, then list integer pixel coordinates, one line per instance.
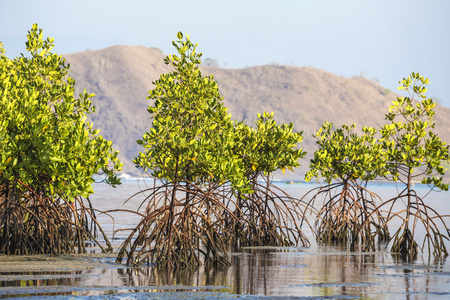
(121, 77)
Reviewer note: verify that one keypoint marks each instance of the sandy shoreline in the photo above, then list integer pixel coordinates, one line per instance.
(36, 263)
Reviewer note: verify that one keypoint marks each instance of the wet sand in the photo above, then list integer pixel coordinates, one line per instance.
(41, 263)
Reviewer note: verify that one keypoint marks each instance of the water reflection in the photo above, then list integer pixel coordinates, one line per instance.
(15, 279)
(318, 271)
(326, 272)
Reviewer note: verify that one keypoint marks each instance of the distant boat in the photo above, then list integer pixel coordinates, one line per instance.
(125, 176)
(128, 177)
(293, 182)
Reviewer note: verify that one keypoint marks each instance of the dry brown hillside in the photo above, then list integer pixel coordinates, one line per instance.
(121, 76)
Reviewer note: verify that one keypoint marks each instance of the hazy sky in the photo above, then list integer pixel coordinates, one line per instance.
(380, 39)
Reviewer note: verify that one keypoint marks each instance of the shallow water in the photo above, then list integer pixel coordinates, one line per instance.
(317, 272)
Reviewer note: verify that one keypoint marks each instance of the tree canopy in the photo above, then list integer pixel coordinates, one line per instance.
(46, 142)
(410, 144)
(346, 155)
(191, 133)
(268, 147)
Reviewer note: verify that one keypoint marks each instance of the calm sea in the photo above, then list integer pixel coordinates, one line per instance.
(316, 272)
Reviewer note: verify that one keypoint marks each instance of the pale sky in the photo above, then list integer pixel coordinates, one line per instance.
(384, 40)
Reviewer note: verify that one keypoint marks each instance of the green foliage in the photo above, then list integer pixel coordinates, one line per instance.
(191, 131)
(211, 62)
(345, 155)
(269, 147)
(46, 142)
(386, 92)
(409, 143)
